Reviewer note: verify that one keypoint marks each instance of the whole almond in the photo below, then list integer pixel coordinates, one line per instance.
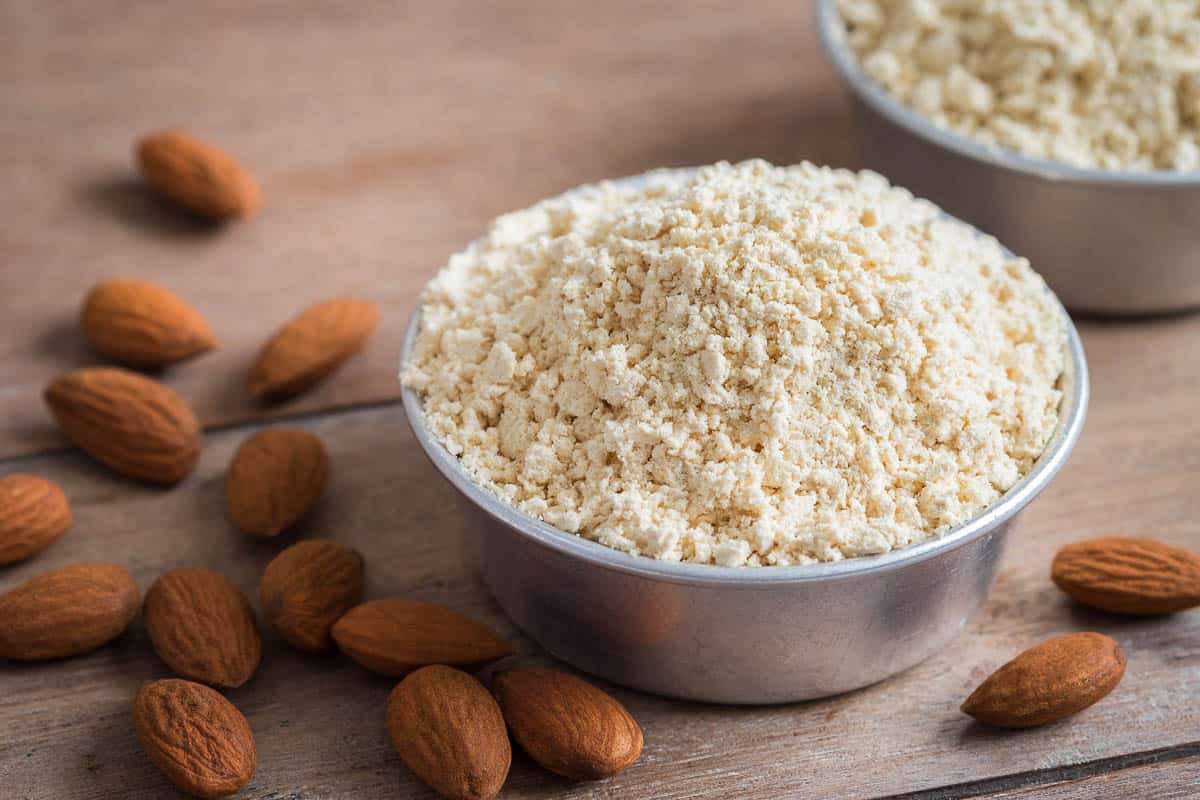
(196, 737)
(69, 611)
(311, 345)
(1129, 576)
(307, 587)
(202, 627)
(142, 324)
(395, 636)
(448, 730)
(1048, 682)
(33, 513)
(567, 725)
(274, 479)
(128, 422)
(197, 175)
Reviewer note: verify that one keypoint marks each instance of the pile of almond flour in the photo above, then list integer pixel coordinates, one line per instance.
(743, 365)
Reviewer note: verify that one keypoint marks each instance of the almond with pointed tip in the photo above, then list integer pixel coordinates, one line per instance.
(197, 176)
(33, 513)
(66, 612)
(395, 636)
(1048, 682)
(202, 627)
(1124, 575)
(132, 424)
(310, 346)
(196, 737)
(275, 477)
(141, 324)
(307, 588)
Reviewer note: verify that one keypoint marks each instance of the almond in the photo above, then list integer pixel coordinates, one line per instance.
(395, 636)
(274, 479)
(1128, 576)
(307, 587)
(311, 346)
(143, 325)
(196, 737)
(1048, 682)
(567, 725)
(202, 627)
(128, 422)
(33, 513)
(198, 176)
(69, 611)
(448, 730)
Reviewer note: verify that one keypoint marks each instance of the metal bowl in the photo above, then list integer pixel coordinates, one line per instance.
(744, 634)
(1106, 241)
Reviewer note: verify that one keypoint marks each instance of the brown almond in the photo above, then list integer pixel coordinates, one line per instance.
(275, 477)
(394, 636)
(307, 587)
(202, 627)
(33, 513)
(448, 730)
(566, 724)
(1128, 576)
(197, 175)
(128, 422)
(141, 324)
(69, 611)
(1048, 682)
(312, 345)
(196, 737)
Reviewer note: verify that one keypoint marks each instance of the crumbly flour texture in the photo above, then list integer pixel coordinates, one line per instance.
(742, 365)
(1111, 84)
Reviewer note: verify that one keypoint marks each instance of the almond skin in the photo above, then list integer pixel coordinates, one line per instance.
(310, 346)
(567, 725)
(69, 611)
(196, 737)
(275, 477)
(1048, 682)
(128, 422)
(141, 324)
(395, 636)
(448, 730)
(202, 627)
(197, 175)
(1123, 575)
(33, 513)
(307, 587)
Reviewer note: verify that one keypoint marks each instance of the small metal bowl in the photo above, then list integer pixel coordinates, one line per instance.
(744, 634)
(1106, 241)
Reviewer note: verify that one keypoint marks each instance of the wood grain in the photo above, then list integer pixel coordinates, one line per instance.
(385, 136)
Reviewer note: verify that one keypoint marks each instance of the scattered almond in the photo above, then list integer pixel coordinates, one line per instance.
(33, 513)
(197, 175)
(307, 587)
(274, 479)
(132, 424)
(1128, 576)
(69, 611)
(1048, 682)
(196, 737)
(202, 627)
(310, 346)
(395, 636)
(142, 324)
(448, 730)
(567, 725)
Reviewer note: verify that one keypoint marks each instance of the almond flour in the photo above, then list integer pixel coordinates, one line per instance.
(744, 365)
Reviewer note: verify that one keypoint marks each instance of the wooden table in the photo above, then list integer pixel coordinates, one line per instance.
(385, 136)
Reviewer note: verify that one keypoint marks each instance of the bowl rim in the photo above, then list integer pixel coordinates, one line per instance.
(833, 40)
(1072, 411)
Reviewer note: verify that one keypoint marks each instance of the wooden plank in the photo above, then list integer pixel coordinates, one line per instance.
(1164, 780)
(67, 733)
(385, 135)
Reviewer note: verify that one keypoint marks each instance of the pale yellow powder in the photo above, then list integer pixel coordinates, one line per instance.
(743, 365)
